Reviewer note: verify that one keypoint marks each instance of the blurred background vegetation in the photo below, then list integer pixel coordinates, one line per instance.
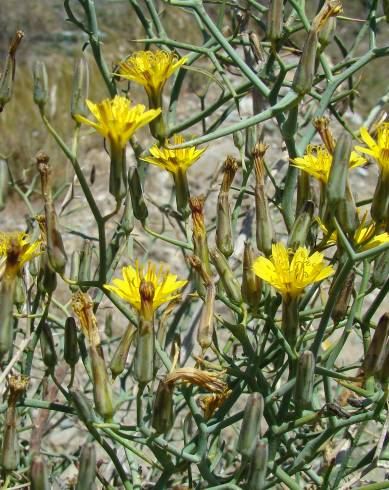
(51, 38)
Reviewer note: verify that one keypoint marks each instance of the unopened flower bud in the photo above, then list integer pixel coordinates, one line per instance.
(41, 85)
(80, 88)
(229, 281)
(4, 181)
(137, 199)
(375, 355)
(83, 406)
(275, 20)
(74, 269)
(117, 172)
(251, 284)
(119, 358)
(39, 474)
(224, 240)
(47, 278)
(343, 299)
(327, 34)
(8, 73)
(238, 138)
(380, 205)
(264, 227)
(251, 424)
(301, 227)
(206, 325)
(346, 211)
(258, 466)
(162, 419)
(304, 381)
(71, 351)
(127, 221)
(380, 269)
(49, 355)
(85, 267)
(7, 293)
(305, 72)
(337, 180)
(102, 393)
(87, 470)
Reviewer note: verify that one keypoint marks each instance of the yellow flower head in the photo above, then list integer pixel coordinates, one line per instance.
(174, 160)
(16, 249)
(165, 284)
(116, 120)
(364, 236)
(317, 162)
(378, 149)
(290, 273)
(150, 69)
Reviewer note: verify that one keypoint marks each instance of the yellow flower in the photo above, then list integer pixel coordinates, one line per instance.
(378, 149)
(150, 69)
(364, 236)
(116, 120)
(174, 160)
(291, 277)
(16, 249)
(317, 162)
(165, 285)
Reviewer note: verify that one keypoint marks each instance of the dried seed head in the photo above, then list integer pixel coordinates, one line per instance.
(205, 379)
(229, 170)
(259, 165)
(210, 403)
(83, 307)
(197, 207)
(17, 385)
(322, 125)
(331, 8)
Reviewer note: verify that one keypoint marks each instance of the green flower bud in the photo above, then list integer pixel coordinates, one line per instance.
(346, 212)
(304, 381)
(108, 324)
(127, 222)
(85, 270)
(250, 140)
(4, 181)
(229, 281)
(47, 278)
(337, 180)
(102, 393)
(83, 407)
(118, 173)
(275, 20)
(305, 72)
(41, 85)
(301, 227)
(200, 243)
(327, 34)
(380, 206)
(206, 325)
(258, 466)
(162, 419)
(38, 473)
(137, 199)
(343, 299)
(74, 270)
(251, 424)
(71, 351)
(375, 355)
(49, 355)
(20, 294)
(8, 74)
(87, 472)
(380, 269)
(80, 88)
(251, 288)
(7, 293)
(118, 361)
